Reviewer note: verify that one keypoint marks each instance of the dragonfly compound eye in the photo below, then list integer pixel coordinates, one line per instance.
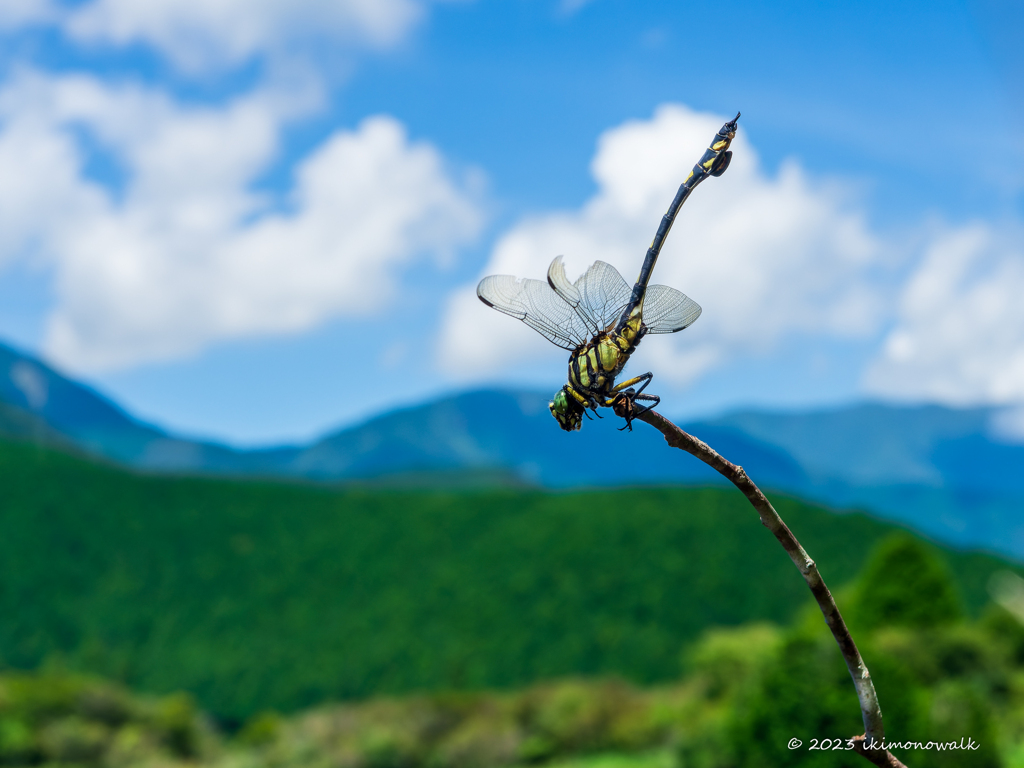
(567, 412)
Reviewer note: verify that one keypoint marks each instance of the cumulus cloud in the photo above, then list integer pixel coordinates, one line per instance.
(197, 34)
(187, 253)
(959, 331)
(765, 256)
(18, 13)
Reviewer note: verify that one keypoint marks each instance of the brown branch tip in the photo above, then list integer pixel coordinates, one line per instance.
(866, 745)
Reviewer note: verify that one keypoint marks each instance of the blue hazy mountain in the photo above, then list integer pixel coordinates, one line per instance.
(882, 445)
(943, 471)
(39, 404)
(939, 470)
(494, 429)
(496, 434)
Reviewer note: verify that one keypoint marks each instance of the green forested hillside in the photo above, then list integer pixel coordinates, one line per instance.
(261, 595)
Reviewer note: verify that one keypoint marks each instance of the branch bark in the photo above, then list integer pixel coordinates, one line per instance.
(868, 745)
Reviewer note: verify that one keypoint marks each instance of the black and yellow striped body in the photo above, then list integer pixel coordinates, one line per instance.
(594, 366)
(715, 160)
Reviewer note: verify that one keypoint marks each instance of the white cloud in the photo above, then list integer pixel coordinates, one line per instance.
(764, 256)
(199, 34)
(1007, 424)
(959, 332)
(18, 13)
(188, 254)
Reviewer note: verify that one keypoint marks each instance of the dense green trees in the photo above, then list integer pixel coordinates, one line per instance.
(939, 678)
(905, 584)
(57, 718)
(746, 692)
(262, 596)
(257, 595)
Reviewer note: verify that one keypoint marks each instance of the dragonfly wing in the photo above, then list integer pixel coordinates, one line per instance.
(605, 294)
(537, 305)
(666, 310)
(598, 295)
(570, 294)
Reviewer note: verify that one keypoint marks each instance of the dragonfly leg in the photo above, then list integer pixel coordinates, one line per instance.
(627, 407)
(625, 402)
(644, 377)
(586, 403)
(652, 399)
(577, 396)
(647, 380)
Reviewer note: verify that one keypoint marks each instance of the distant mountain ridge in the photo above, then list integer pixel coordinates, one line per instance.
(875, 444)
(38, 403)
(938, 469)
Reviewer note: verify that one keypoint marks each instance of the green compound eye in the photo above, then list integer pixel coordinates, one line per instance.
(559, 404)
(568, 413)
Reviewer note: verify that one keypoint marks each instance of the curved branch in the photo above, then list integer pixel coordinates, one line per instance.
(868, 745)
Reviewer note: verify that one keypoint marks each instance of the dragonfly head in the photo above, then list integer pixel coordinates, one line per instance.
(566, 410)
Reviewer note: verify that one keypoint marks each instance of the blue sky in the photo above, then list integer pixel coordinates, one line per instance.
(257, 223)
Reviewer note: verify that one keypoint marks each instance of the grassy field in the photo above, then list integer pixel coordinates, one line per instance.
(265, 595)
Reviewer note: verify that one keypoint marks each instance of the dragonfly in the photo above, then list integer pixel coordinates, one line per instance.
(600, 320)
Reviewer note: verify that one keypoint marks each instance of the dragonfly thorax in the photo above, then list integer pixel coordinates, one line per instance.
(594, 366)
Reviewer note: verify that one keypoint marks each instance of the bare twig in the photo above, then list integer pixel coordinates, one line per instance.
(868, 745)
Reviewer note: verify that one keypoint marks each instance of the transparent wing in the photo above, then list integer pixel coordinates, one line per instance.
(666, 310)
(598, 296)
(537, 305)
